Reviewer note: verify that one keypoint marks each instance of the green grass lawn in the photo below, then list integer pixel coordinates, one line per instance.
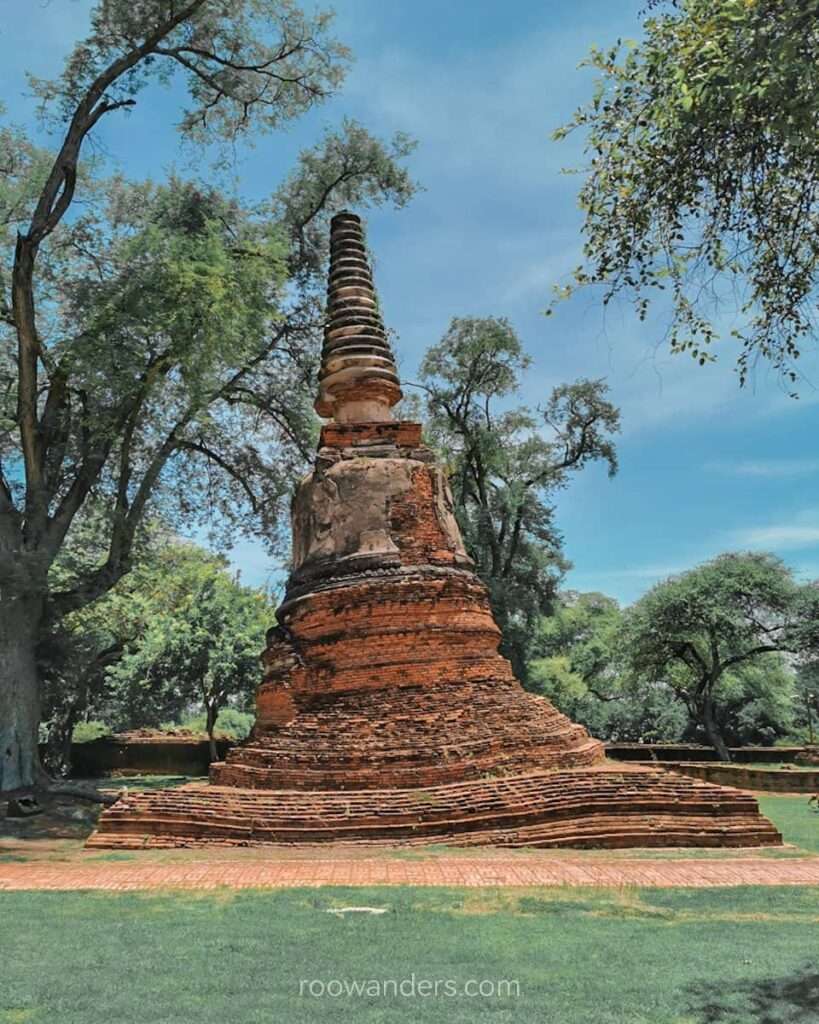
(140, 782)
(557, 956)
(796, 820)
(739, 956)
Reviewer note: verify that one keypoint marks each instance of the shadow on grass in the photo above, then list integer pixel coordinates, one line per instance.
(61, 819)
(791, 999)
(135, 783)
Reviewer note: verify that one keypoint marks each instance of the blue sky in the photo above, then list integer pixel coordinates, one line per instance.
(705, 467)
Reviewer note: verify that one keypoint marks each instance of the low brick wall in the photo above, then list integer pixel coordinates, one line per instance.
(687, 752)
(172, 756)
(771, 780)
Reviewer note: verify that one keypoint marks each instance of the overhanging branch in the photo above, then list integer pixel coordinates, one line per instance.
(212, 456)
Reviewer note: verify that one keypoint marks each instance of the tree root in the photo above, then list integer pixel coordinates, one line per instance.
(48, 787)
(78, 792)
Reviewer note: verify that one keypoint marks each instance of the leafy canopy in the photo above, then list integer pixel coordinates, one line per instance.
(507, 462)
(199, 644)
(178, 631)
(703, 178)
(589, 670)
(158, 348)
(247, 65)
(720, 618)
(584, 632)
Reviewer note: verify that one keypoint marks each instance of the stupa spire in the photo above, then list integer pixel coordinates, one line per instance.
(358, 381)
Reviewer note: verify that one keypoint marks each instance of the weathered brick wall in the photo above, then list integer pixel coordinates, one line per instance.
(157, 756)
(770, 780)
(404, 736)
(401, 433)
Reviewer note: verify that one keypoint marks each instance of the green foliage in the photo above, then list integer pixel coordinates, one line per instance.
(199, 644)
(87, 732)
(506, 464)
(184, 265)
(584, 672)
(716, 635)
(23, 170)
(703, 176)
(75, 653)
(733, 608)
(230, 723)
(177, 632)
(603, 667)
(806, 700)
(754, 703)
(650, 713)
(247, 65)
(585, 632)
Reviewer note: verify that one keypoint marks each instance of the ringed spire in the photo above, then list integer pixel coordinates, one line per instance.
(358, 381)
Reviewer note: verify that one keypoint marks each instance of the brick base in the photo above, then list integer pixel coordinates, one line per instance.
(612, 807)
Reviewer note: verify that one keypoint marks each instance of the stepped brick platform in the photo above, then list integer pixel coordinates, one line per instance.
(386, 714)
(602, 806)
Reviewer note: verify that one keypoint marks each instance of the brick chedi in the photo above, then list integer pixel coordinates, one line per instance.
(386, 714)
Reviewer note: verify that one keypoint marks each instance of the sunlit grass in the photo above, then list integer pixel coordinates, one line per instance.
(796, 819)
(576, 955)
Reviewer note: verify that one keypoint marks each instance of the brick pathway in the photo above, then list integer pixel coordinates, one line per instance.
(450, 871)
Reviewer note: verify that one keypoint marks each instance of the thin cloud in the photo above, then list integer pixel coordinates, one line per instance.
(773, 469)
(498, 226)
(642, 572)
(779, 537)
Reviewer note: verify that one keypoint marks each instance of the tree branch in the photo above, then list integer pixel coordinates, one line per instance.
(754, 651)
(52, 205)
(604, 696)
(223, 464)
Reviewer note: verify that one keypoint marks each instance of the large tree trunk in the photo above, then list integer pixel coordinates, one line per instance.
(712, 732)
(57, 758)
(20, 623)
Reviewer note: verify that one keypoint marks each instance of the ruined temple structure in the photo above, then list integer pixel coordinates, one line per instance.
(386, 714)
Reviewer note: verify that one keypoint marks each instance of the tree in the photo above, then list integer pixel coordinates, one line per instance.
(582, 668)
(200, 643)
(177, 630)
(704, 173)
(507, 464)
(807, 699)
(721, 617)
(155, 343)
(75, 655)
(754, 703)
(72, 667)
(585, 630)
(585, 670)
